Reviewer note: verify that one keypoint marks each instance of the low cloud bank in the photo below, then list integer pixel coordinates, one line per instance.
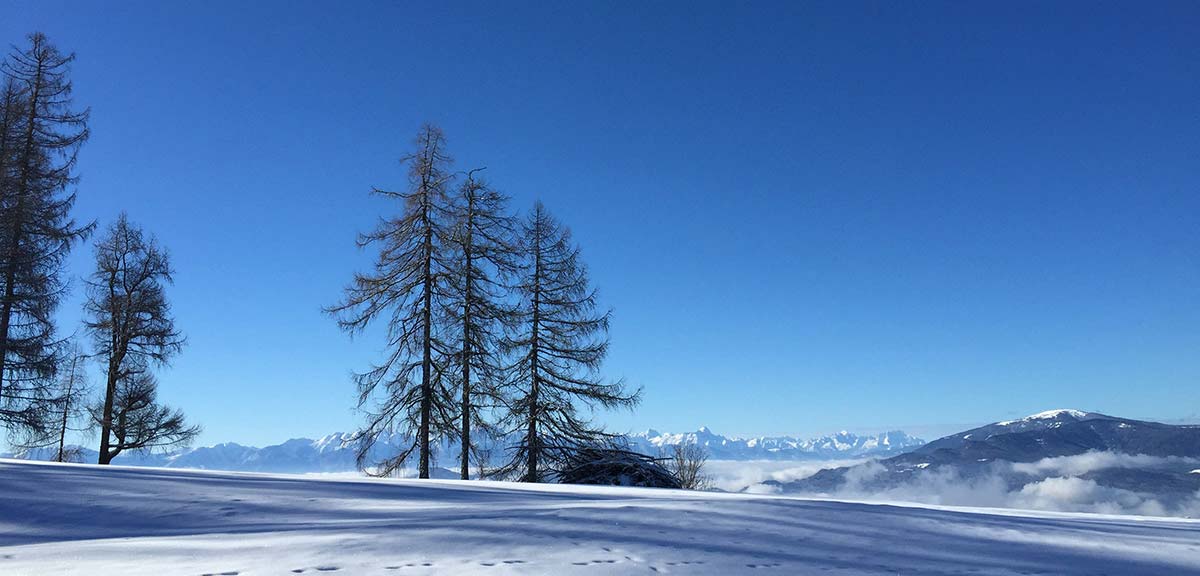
(1053, 484)
(748, 475)
(1090, 461)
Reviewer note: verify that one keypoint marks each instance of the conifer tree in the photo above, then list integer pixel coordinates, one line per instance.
(132, 330)
(408, 288)
(40, 136)
(558, 346)
(484, 256)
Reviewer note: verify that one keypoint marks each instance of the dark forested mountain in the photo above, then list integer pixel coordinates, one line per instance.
(1153, 457)
(1062, 433)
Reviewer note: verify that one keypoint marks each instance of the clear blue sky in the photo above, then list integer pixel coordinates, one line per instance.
(807, 216)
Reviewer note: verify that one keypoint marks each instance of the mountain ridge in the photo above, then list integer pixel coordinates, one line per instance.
(336, 452)
(1057, 452)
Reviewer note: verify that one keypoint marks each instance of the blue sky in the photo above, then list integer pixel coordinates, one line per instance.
(807, 216)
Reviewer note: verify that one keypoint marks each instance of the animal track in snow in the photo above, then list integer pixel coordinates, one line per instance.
(594, 562)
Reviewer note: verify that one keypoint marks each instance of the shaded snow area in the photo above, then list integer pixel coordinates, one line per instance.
(76, 519)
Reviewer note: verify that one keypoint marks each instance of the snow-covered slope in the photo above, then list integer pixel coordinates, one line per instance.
(75, 519)
(336, 452)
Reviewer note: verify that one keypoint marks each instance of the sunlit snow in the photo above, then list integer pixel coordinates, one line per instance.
(76, 519)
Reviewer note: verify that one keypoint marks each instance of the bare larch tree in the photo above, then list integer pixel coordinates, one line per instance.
(558, 347)
(40, 137)
(409, 288)
(72, 393)
(139, 422)
(132, 330)
(484, 256)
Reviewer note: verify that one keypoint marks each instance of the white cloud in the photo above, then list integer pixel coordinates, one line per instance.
(1069, 494)
(1056, 485)
(736, 475)
(1089, 461)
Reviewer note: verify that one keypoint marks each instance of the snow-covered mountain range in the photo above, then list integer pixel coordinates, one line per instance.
(336, 452)
(840, 445)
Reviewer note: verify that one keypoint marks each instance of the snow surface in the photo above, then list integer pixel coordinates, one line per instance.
(82, 519)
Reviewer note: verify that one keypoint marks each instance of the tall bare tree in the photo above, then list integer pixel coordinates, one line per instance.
(409, 288)
(559, 345)
(484, 257)
(72, 393)
(40, 136)
(132, 330)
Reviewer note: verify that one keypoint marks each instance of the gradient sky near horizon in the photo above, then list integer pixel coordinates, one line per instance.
(807, 216)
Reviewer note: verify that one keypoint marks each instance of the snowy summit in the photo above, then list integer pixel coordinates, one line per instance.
(1050, 415)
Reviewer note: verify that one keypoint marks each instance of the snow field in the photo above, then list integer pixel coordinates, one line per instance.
(77, 519)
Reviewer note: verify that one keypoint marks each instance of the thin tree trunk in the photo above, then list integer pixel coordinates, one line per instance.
(466, 348)
(6, 313)
(62, 430)
(427, 358)
(466, 410)
(531, 439)
(106, 420)
(114, 372)
(6, 318)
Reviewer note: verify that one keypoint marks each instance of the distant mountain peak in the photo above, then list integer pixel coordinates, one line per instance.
(1112, 455)
(336, 453)
(1052, 415)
